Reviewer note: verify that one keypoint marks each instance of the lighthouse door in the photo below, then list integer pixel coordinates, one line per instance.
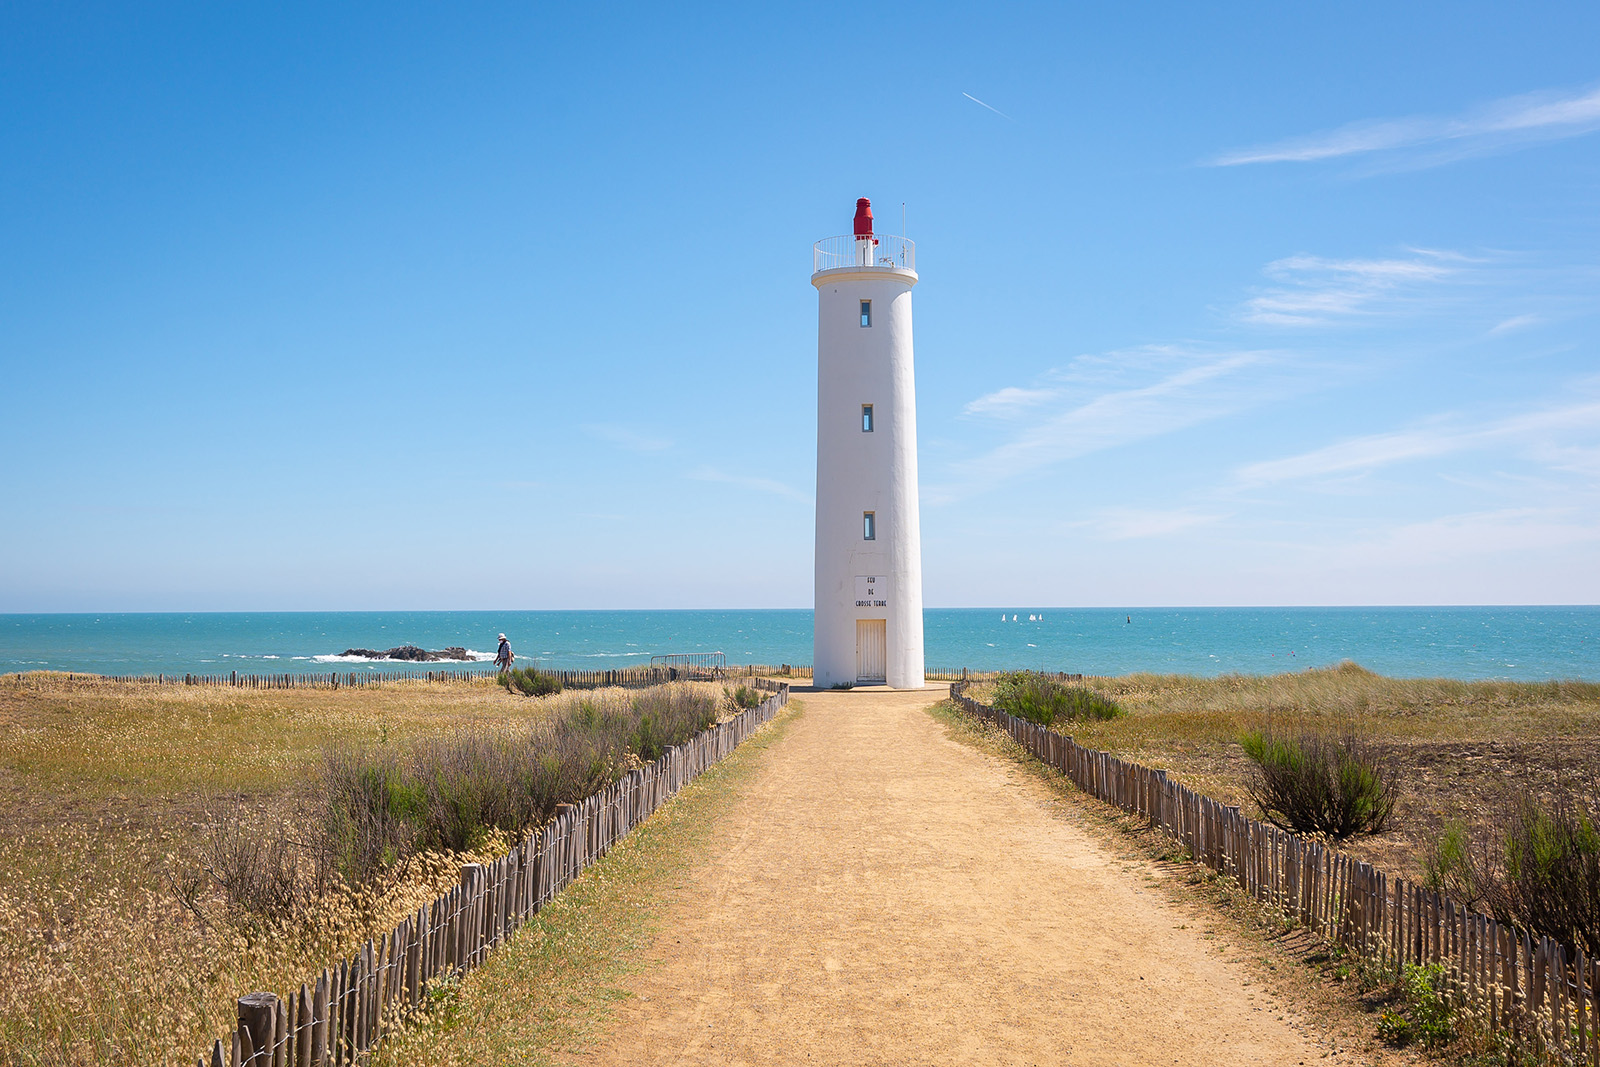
(872, 650)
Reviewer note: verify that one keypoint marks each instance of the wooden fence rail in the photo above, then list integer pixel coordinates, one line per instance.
(627, 677)
(1541, 992)
(338, 1017)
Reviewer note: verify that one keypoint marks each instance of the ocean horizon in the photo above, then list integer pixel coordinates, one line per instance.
(1522, 643)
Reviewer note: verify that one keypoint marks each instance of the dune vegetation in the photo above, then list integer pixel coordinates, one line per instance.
(132, 813)
(1461, 752)
(166, 848)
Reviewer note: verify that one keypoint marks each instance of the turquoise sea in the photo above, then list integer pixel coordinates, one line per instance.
(1520, 643)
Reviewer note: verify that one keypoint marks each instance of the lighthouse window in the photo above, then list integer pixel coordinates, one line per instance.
(866, 313)
(869, 526)
(866, 418)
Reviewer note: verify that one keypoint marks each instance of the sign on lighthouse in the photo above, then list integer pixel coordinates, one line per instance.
(868, 600)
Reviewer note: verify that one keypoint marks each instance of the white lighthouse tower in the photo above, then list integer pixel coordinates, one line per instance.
(869, 544)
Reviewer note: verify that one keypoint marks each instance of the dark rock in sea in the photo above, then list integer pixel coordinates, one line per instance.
(411, 654)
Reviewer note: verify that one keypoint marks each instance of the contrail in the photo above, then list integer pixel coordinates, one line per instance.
(996, 110)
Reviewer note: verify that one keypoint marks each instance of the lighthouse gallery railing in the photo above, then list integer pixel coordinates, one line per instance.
(881, 251)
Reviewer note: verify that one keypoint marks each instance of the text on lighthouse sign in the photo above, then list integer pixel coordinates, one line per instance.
(872, 591)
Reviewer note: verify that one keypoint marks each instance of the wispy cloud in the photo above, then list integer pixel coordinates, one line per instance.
(1203, 386)
(1525, 118)
(1516, 322)
(1127, 524)
(1009, 402)
(1359, 455)
(760, 485)
(626, 437)
(996, 110)
(1316, 291)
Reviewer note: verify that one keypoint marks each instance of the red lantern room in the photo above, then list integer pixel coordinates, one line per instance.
(863, 217)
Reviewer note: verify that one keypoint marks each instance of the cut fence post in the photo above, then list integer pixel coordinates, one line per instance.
(258, 1016)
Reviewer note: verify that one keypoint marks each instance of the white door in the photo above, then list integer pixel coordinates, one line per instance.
(872, 650)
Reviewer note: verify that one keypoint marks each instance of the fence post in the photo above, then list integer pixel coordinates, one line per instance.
(473, 877)
(258, 1016)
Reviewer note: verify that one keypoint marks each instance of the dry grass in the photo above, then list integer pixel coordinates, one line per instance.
(106, 793)
(100, 964)
(96, 740)
(1458, 746)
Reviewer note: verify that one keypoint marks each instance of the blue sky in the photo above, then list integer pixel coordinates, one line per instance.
(508, 306)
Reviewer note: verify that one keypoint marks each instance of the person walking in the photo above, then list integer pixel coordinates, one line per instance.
(503, 657)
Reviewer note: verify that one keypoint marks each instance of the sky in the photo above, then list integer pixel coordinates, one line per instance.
(507, 306)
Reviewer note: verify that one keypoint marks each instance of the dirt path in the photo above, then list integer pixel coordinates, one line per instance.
(890, 896)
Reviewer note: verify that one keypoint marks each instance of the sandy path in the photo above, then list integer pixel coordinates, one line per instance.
(888, 895)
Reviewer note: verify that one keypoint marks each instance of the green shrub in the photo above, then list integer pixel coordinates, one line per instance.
(646, 739)
(1541, 872)
(1313, 782)
(1042, 699)
(1553, 869)
(530, 682)
(1447, 865)
(746, 696)
(1424, 1015)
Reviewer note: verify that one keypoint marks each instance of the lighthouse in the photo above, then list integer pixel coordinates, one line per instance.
(868, 597)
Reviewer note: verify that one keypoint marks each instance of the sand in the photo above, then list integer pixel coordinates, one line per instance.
(887, 895)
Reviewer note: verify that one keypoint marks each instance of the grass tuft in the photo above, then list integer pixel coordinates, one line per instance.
(1045, 700)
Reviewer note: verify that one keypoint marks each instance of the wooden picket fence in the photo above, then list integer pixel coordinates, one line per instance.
(669, 670)
(967, 674)
(778, 670)
(337, 1018)
(931, 674)
(953, 674)
(1544, 994)
(625, 677)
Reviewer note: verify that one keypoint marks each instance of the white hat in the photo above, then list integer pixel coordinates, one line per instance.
(502, 637)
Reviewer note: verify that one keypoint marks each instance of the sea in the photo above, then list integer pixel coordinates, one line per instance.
(1469, 643)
